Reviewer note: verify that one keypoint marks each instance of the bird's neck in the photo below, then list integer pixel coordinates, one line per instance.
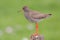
(27, 11)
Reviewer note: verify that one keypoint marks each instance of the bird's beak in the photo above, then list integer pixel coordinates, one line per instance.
(20, 11)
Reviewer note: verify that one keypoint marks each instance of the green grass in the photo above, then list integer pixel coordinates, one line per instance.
(9, 16)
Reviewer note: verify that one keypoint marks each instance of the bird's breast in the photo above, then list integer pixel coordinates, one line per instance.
(27, 15)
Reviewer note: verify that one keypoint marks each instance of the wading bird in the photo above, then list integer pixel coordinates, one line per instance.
(34, 16)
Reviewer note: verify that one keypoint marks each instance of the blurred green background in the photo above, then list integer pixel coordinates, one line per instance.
(14, 26)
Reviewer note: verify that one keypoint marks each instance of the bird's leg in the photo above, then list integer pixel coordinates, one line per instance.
(37, 28)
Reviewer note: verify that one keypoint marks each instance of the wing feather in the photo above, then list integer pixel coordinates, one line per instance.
(38, 15)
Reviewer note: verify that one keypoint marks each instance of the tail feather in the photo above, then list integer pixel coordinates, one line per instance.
(49, 14)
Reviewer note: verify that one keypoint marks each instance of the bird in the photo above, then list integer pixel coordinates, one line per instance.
(34, 16)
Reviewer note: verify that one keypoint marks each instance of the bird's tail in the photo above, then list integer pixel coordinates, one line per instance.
(49, 14)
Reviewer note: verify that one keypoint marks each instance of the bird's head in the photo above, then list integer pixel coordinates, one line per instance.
(25, 8)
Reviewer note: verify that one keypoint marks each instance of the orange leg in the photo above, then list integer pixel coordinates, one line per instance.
(36, 27)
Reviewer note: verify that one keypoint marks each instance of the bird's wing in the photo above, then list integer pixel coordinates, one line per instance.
(38, 15)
